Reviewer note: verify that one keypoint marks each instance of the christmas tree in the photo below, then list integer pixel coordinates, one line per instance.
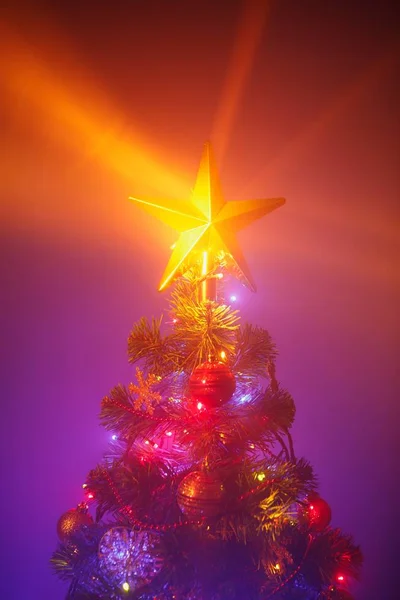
(201, 496)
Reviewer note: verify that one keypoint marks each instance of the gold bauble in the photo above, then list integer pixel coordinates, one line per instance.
(70, 522)
(200, 495)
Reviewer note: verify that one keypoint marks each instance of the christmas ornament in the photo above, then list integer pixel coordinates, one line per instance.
(317, 514)
(200, 495)
(130, 559)
(146, 398)
(208, 224)
(212, 384)
(70, 522)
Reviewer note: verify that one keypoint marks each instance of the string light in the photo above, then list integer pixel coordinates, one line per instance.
(223, 354)
(340, 577)
(199, 405)
(169, 433)
(125, 586)
(114, 437)
(233, 298)
(261, 476)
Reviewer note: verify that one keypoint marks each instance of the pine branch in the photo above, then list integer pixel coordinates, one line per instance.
(254, 349)
(279, 408)
(146, 343)
(118, 414)
(202, 329)
(332, 552)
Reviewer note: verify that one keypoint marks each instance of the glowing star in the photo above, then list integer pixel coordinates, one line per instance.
(208, 224)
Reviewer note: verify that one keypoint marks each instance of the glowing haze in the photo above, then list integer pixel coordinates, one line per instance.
(99, 103)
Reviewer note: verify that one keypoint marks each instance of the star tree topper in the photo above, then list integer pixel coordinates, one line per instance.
(208, 224)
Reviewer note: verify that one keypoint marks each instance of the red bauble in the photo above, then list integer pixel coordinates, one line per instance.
(70, 522)
(212, 384)
(200, 495)
(317, 513)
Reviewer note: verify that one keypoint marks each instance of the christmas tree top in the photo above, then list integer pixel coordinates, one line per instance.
(202, 496)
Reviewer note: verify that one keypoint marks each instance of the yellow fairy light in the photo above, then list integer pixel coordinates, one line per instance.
(208, 224)
(223, 354)
(261, 476)
(126, 586)
(277, 567)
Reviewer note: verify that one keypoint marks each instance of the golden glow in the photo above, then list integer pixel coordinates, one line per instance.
(204, 267)
(223, 354)
(208, 224)
(126, 586)
(204, 271)
(261, 476)
(277, 567)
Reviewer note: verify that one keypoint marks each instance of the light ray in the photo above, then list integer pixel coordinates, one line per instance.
(252, 25)
(76, 114)
(309, 136)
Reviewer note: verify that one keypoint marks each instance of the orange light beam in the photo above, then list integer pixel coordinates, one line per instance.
(78, 116)
(250, 31)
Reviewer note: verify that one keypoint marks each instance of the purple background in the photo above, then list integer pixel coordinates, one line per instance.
(99, 103)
